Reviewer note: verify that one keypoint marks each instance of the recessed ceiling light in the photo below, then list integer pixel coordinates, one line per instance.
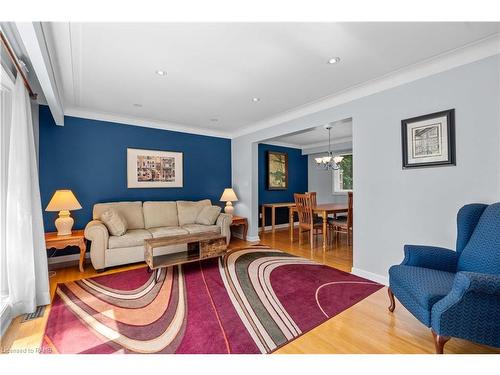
(334, 60)
(137, 105)
(161, 73)
(255, 100)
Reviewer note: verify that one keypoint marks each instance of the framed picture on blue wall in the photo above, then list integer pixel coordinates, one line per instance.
(277, 170)
(154, 169)
(429, 140)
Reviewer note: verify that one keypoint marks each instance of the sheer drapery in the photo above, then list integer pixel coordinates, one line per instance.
(26, 259)
(6, 89)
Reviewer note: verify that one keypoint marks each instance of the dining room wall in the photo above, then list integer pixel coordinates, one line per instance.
(393, 206)
(297, 180)
(321, 181)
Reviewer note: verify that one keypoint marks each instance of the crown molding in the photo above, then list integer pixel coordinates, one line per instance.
(337, 141)
(144, 122)
(309, 145)
(467, 54)
(281, 144)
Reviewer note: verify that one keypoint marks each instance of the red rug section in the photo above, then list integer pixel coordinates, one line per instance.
(293, 285)
(201, 307)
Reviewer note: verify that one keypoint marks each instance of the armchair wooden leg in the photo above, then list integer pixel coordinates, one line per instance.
(439, 342)
(391, 298)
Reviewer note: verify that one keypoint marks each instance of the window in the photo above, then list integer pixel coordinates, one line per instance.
(342, 178)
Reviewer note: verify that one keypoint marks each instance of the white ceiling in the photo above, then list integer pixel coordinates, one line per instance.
(215, 69)
(318, 136)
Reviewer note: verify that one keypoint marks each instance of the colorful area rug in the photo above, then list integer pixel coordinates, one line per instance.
(253, 300)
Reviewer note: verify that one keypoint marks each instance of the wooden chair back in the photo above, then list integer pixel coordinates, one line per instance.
(349, 210)
(304, 209)
(313, 195)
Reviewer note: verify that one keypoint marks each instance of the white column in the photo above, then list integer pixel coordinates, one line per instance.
(245, 183)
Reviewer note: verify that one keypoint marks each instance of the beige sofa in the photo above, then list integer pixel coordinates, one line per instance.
(146, 220)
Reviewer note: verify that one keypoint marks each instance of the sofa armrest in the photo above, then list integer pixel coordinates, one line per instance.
(224, 222)
(97, 232)
(437, 258)
(471, 309)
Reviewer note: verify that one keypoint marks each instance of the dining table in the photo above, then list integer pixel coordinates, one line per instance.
(322, 210)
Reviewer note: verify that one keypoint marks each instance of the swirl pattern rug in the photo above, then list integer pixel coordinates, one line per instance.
(252, 300)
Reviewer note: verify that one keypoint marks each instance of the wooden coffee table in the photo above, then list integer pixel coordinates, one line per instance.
(198, 247)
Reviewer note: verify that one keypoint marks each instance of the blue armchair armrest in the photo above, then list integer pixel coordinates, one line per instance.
(437, 258)
(471, 309)
(477, 282)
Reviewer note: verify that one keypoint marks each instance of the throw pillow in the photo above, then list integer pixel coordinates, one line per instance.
(208, 215)
(188, 211)
(116, 224)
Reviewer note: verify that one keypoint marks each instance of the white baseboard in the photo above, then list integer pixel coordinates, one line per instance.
(66, 258)
(239, 235)
(253, 239)
(370, 276)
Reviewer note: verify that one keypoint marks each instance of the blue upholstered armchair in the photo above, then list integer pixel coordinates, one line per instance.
(455, 293)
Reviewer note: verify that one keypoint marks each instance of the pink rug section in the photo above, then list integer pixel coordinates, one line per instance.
(253, 300)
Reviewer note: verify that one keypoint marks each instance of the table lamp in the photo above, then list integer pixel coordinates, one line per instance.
(63, 201)
(229, 196)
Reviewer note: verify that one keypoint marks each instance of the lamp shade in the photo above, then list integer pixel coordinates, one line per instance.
(63, 200)
(228, 196)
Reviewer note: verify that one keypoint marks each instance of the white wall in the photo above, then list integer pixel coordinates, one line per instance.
(321, 181)
(395, 206)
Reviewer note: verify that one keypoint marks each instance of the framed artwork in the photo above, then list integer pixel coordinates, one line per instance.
(277, 170)
(154, 169)
(429, 140)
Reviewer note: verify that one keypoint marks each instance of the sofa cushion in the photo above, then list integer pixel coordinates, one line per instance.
(130, 211)
(133, 237)
(188, 211)
(116, 224)
(167, 231)
(208, 215)
(425, 285)
(160, 214)
(199, 228)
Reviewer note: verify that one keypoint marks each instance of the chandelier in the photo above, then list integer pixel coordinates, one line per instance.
(329, 162)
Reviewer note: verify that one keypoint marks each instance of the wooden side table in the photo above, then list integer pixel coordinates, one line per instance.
(76, 238)
(241, 221)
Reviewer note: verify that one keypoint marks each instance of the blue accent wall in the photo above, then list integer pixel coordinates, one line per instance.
(90, 158)
(297, 180)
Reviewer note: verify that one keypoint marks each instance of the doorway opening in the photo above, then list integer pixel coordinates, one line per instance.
(293, 163)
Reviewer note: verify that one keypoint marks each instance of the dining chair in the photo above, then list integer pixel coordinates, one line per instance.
(308, 222)
(343, 224)
(313, 195)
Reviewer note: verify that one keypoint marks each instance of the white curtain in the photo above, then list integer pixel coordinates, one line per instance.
(26, 258)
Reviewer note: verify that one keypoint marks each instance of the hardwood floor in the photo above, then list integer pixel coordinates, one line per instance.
(367, 327)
